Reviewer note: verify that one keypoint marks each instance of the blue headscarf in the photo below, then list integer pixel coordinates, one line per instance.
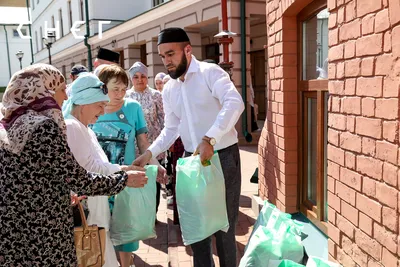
(86, 89)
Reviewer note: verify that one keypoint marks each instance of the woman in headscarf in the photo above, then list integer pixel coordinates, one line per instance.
(152, 105)
(158, 81)
(86, 103)
(38, 172)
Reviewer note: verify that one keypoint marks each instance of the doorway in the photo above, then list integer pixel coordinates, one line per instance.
(257, 59)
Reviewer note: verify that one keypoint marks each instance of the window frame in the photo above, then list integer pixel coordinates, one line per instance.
(61, 23)
(316, 89)
(69, 7)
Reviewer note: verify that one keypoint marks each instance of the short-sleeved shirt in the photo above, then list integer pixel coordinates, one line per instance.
(116, 132)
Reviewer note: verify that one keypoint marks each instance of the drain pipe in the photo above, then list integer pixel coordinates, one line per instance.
(8, 51)
(246, 134)
(87, 35)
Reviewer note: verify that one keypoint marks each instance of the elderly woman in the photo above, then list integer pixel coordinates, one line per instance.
(86, 103)
(38, 172)
(117, 130)
(158, 80)
(151, 102)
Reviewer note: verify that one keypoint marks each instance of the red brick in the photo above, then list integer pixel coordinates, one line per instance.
(350, 160)
(350, 87)
(382, 21)
(368, 146)
(331, 71)
(332, 20)
(349, 49)
(374, 263)
(350, 213)
(386, 195)
(370, 86)
(388, 259)
(351, 124)
(394, 11)
(340, 18)
(350, 178)
(333, 37)
(390, 130)
(369, 186)
(370, 167)
(390, 219)
(384, 64)
(350, 11)
(387, 42)
(390, 174)
(387, 108)
(353, 68)
(334, 202)
(385, 3)
(367, 24)
(391, 87)
(345, 259)
(337, 121)
(346, 193)
(333, 137)
(367, 66)
(386, 151)
(340, 70)
(331, 215)
(336, 53)
(365, 223)
(369, 45)
(331, 248)
(369, 206)
(336, 155)
(351, 30)
(331, 4)
(334, 234)
(335, 107)
(345, 226)
(333, 170)
(331, 184)
(395, 44)
(365, 7)
(368, 107)
(359, 256)
(369, 127)
(372, 247)
(351, 105)
(386, 238)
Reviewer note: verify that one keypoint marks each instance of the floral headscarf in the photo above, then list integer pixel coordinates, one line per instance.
(27, 101)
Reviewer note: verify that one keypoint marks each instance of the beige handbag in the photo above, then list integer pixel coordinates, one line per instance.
(90, 242)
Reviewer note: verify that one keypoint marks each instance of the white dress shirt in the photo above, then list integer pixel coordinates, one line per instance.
(88, 153)
(206, 103)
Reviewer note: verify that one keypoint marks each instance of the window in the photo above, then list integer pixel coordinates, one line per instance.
(16, 34)
(41, 38)
(313, 84)
(53, 23)
(36, 42)
(81, 9)
(61, 22)
(157, 2)
(69, 14)
(33, 4)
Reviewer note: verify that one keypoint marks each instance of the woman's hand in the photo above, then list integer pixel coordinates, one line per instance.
(75, 199)
(136, 179)
(162, 178)
(132, 168)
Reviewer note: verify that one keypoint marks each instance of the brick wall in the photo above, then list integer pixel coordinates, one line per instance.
(363, 134)
(363, 180)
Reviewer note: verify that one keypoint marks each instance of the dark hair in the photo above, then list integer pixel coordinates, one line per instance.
(113, 71)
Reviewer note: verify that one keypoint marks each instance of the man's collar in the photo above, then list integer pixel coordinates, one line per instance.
(193, 67)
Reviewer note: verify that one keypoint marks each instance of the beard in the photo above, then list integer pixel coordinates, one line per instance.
(180, 69)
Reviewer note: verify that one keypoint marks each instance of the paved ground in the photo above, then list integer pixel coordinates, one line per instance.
(168, 250)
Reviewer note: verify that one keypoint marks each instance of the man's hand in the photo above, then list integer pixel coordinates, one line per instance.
(205, 150)
(132, 168)
(143, 159)
(136, 179)
(161, 177)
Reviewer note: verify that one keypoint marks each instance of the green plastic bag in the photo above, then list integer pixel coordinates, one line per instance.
(200, 197)
(284, 263)
(134, 212)
(268, 244)
(318, 262)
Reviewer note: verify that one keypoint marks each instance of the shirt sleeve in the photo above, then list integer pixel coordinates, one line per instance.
(82, 151)
(57, 161)
(169, 133)
(140, 125)
(225, 91)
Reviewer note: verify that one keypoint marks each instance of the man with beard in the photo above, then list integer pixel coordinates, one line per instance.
(202, 106)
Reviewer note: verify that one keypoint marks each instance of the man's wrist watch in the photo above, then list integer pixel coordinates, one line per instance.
(210, 140)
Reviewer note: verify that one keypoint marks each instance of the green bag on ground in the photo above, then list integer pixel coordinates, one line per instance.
(318, 262)
(284, 263)
(201, 199)
(134, 212)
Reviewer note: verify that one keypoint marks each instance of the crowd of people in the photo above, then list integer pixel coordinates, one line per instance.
(89, 140)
